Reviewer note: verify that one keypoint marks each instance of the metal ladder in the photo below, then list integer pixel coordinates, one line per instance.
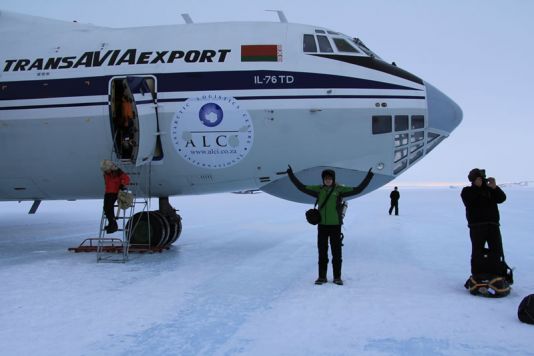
(113, 249)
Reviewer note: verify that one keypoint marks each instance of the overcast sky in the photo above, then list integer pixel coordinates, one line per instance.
(478, 52)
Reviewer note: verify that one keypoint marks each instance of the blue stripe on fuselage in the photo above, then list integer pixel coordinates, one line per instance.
(193, 81)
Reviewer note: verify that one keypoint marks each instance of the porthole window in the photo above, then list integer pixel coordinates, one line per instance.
(381, 124)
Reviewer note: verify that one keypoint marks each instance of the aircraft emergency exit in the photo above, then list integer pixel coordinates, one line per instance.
(217, 107)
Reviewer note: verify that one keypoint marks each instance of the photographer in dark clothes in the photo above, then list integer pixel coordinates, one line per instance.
(480, 200)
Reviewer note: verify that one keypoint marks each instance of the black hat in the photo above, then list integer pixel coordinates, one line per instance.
(328, 173)
(474, 174)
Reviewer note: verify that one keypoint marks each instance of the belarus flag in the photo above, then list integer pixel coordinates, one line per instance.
(261, 53)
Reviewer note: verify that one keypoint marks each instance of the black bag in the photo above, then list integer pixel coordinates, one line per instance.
(496, 265)
(488, 285)
(313, 216)
(525, 312)
(508, 273)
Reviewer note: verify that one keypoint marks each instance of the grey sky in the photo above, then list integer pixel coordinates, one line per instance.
(479, 52)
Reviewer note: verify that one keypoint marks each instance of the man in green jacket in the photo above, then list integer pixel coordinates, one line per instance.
(330, 225)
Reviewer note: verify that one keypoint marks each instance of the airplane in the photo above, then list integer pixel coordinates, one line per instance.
(218, 107)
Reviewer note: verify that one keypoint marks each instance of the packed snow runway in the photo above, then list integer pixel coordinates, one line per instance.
(239, 281)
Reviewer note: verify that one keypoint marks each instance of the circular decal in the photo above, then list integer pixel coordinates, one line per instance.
(212, 131)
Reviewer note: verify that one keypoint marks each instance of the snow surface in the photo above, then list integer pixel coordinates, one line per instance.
(239, 281)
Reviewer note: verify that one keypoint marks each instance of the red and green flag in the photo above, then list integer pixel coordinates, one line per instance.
(261, 53)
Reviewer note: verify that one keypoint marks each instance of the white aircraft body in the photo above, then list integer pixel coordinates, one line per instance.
(218, 107)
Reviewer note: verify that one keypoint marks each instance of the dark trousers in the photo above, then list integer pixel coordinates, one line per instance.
(334, 233)
(480, 235)
(109, 211)
(394, 204)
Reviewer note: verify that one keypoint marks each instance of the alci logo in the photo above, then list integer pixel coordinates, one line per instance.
(212, 131)
(210, 114)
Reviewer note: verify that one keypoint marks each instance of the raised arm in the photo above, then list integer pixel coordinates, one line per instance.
(297, 183)
(498, 195)
(357, 190)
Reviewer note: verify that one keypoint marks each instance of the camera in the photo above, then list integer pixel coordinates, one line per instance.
(483, 176)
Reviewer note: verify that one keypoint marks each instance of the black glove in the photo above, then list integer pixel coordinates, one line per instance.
(289, 169)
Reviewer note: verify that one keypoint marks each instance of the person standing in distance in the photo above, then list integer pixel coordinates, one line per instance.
(480, 200)
(328, 194)
(394, 196)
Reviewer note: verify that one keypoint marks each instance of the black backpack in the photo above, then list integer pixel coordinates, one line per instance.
(496, 265)
(487, 285)
(525, 312)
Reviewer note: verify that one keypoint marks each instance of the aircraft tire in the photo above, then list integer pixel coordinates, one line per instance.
(175, 223)
(144, 222)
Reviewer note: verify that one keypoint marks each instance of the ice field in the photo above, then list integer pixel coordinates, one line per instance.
(239, 281)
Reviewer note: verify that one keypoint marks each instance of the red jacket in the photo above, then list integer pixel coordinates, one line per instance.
(114, 180)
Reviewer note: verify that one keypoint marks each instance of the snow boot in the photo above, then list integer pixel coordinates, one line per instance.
(338, 281)
(112, 227)
(321, 280)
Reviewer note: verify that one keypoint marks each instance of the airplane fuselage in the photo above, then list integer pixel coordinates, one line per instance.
(231, 105)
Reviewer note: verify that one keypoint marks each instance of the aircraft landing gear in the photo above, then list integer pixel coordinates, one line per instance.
(160, 228)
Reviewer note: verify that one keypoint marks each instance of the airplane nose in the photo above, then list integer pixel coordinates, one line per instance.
(443, 113)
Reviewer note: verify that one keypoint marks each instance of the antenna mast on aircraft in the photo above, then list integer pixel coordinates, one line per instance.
(187, 19)
(281, 15)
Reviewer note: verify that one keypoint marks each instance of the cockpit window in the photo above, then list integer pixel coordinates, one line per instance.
(313, 43)
(309, 43)
(324, 44)
(364, 48)
(343, 46)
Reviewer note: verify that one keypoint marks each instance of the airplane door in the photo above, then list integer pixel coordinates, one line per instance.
(134, 118)
(144, 100)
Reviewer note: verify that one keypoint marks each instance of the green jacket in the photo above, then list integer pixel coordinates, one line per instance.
(329, 212)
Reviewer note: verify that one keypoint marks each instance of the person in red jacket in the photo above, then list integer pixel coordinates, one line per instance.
(115, 179)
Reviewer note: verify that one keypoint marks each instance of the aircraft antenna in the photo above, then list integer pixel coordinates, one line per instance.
(187, 18)
(281, 15)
